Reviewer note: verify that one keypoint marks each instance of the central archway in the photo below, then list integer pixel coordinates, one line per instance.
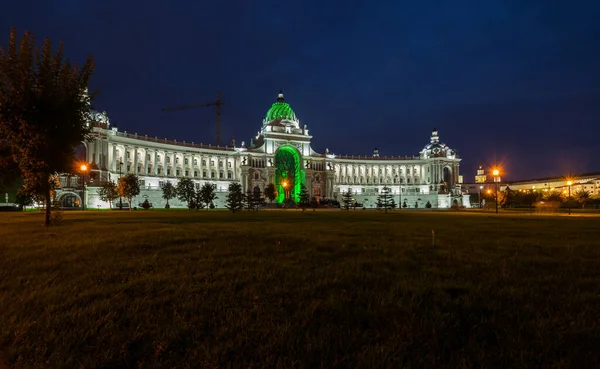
(289, 175)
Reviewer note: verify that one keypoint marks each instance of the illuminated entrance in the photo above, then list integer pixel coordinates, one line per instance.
(288, 174)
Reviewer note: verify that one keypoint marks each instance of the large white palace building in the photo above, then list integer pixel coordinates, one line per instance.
(280, 153)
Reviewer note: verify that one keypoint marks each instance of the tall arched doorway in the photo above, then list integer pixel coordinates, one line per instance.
(448, 177)
(289, 175)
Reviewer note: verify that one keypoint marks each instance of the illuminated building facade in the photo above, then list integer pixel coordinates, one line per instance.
(280, 153)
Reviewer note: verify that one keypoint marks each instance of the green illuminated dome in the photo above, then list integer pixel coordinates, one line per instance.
(280, 110)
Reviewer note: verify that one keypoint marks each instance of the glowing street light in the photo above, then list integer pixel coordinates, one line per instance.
(569, 183)
(285, 194)
(83, 170)
(480, 188)
(496, 174)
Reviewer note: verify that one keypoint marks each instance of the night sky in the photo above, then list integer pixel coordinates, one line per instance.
(514, 82)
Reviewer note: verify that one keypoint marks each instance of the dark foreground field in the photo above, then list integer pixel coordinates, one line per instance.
(285, 289)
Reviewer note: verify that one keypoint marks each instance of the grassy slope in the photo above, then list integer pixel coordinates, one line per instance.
(290, 289)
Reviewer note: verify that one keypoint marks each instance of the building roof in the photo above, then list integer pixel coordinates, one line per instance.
(560, 178)
(280, 110)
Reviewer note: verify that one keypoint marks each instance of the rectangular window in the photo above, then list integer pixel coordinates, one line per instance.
(168, 172)
(220, 164)
(186, 161)
(204, 174)
(195, 173)
(212, 174)
(204, 162)
(229, 175)
(221, 175)
(187, 173)
(228, 164)
(177, 173)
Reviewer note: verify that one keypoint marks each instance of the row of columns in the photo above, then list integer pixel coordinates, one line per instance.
(372, 172)
(166, 159)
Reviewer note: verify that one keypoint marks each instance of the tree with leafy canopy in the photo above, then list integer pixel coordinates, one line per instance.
(235, 197)
(44, 111)
(108, 192)
(24, 199)
(207, 194)
(168, 192)
(271, 192)
(186, 191)
(129, 187)
(197, 202)
(347, 199)
(385, 199)
(9, 170)
(304, 198)
(582, 197)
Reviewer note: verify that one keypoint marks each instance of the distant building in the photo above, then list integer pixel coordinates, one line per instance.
(589, 182)
(480, 177)
(281, 153)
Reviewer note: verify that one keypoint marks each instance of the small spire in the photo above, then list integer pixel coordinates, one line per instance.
(280, 96)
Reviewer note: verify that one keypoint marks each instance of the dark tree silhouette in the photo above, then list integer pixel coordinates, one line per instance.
(168, 192)
(44, 110)
(271, 192)
(385, 199)
(207, 194)
(186, 192)
(304, 198)
(347, 199)
(235, 197)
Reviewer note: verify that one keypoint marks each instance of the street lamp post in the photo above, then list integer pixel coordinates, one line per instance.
(569, 183)
(83, 169)
(120, 198)
(496, 172)
(480, 188)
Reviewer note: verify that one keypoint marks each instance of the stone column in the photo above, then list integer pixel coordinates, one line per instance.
(135, 160)
(146, 161)
(154, 163)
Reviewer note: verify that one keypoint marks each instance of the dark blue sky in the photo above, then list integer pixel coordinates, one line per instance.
(508, 81)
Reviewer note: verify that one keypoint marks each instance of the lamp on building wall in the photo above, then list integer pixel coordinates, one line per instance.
(569, 183)
(83, 169)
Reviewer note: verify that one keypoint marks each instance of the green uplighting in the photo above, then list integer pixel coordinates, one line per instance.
(280, 110)
(289, 176)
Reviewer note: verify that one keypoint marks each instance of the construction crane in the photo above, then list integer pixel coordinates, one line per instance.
(216, 103)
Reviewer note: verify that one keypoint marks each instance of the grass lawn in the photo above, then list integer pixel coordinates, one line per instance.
(286, 289)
